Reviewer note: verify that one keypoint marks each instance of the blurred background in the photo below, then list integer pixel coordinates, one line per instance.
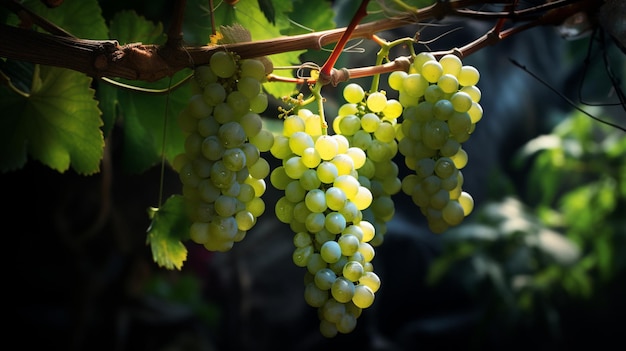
(539, 263)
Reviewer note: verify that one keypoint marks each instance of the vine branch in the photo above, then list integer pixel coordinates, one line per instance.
(136, 61)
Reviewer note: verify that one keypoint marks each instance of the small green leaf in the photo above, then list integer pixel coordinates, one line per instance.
(58, 124)
(128, 27)
(168, 227)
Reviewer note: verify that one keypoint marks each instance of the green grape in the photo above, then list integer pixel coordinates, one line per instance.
(376, 101)
(252, 68)
(314, 296)
(327, 147)
(468, 76)
(353, 93)
(396, 79)
(335, 222)
(363, 296)
(342, 290)
(432, 71)
(222, 64)
(324, 278)
(453, 213)
(349, 244)
(330, 252)
(197, 108)
(420, 59)
(448, 83)
(415, 85)
(353, 271)
(451, 64)
(461, 101)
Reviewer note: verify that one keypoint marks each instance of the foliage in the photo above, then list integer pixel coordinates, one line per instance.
(525, 261)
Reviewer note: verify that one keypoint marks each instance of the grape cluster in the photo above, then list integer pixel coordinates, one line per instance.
(369, 122)
(441, 107)
(221, 169)
(323, 203)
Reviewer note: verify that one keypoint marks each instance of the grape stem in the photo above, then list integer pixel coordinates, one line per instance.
(326, 70)
(383, 54)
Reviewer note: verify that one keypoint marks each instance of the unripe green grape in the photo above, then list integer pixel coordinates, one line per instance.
(443, 109)
(326, 146)
(232, 135)
(396, 79)
(473, 92)
(238, 102)
(385, 132)
(202, 166)
(451, 64)
(259, 103)
(327, 172)
(316, 200)
(424, 112)
(221, 176)
(353, 270)
(302, 239)
(294, 191)
(292, 124)
(335, 198)
(342, 143)
(344, 164)
(444, 167)
(301, 255)
(284, 210)
(328, 329)
(349, 124)
(363, 198)
(260, 169)
(245, 220)
(251, 124)
(439, 199)
(376, 101)
(348, 184)
(294, 167)
(460, 158)
(314, 296)
(256, 206)
(324, 278)
(213, 94)
(280, 147)
(204, 75)
(301, 212)
(310, 157)
(347, 109)
(467, 202)
(246, 193)
(453, 213)
(252, 68)
(234, 159)
(353, 93)
(249, 87)
(433, 93)
(333, 310)
(313, 125)
(475, 112)
(379, 151)
(461, 101)
(450, 148)
(448, 83)
(314, 222)
(362, 139)
(222, 64)
(357, 155)
(299, 141)
(315, 263)
(370, 122)
(435, 134)
(415, 85)
(335, 222)
(342, 290)
(432, 71)
(264, 140)
(309, 180)
(407, 100)
(197, 108)
(420, 59)
(367, 251)
(199, 232)
(193, 144)
(330, 252)
(346, 324)
(349, 211)
(349, 244)
(468, 76)
(363, 296)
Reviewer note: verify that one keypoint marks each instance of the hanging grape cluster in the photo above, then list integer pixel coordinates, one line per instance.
(221, 169)
(440, 110)
(336, 189)
(322, 203)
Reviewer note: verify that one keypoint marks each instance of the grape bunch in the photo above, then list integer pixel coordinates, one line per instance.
(323, 203)
(441, 107)
(369, 122)
(221, 169)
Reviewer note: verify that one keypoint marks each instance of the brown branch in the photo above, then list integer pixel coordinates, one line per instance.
(106, 58)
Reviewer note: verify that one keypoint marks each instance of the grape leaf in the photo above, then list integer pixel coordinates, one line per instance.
(142, 112)
(57, 124)
(250, 16)
(81, 18)
(167, 248)
(302, 22)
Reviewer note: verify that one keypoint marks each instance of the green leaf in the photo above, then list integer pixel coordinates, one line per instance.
(128, 27)
(81, 18)
(165, 233)
(143, 113)
(301, 21)
(58, 124)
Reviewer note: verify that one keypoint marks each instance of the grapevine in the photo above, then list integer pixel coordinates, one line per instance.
(338, 176)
